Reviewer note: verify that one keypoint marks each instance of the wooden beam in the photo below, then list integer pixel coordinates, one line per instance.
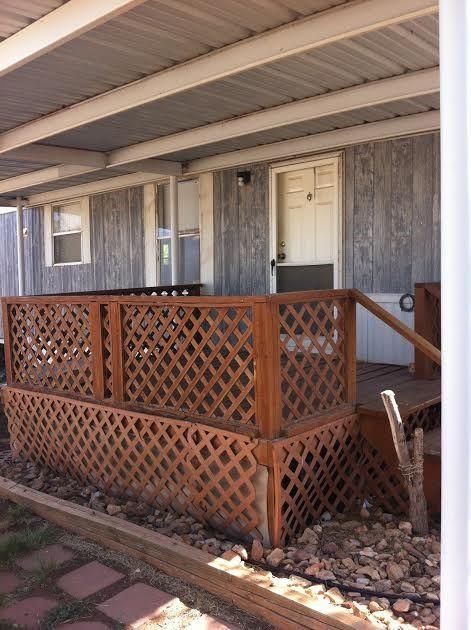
(366, 95)
(152, 165)
(45, 154)
(43, 176)
(286, 609)
(336, 24)
(393, 127)
(68, 21)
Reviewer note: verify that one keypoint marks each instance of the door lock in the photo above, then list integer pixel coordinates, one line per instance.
(281, 256)
(272, 265)
(309, 196)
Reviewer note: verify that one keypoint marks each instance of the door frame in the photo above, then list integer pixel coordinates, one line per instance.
(293, 165)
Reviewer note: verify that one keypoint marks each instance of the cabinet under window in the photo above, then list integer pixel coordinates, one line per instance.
(188, 233)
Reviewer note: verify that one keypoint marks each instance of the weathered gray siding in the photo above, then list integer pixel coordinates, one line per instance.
(241, 232)
(391, 220)
(392, 214)
(8, 260)
(117, 248)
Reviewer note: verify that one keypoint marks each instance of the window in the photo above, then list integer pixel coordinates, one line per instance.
(188, 232)
(67, 233)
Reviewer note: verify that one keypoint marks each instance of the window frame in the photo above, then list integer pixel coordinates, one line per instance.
(49, 234)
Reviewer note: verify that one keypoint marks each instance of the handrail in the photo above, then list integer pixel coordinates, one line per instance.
(393, 322)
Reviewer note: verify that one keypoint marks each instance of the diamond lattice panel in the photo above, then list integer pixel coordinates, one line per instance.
(319, 471)
(192, 468)
(50, 346)
(193, 359)
(312, 357)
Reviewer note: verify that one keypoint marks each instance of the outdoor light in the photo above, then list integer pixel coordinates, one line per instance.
(243, 178)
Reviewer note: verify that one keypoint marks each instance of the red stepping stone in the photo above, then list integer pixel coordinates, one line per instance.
(50, 555)
(9, 582)
(136, 605)
(28, 612)
(206, 622)
(83, 625)
(89, 579)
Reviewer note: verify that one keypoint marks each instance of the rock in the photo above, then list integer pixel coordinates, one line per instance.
(301, 554)
(256, 552)
(113, 509)
(330, 548)
(242, 551)
(407, 587)
(402, 605)
(308, 535)
(394, 571)
(313, 569)
(383, 586)
(326, 517)
(435, 546)
(371, 572)
(325, 575)
(334, 595)
(316, 589)
(275, 557)
(364, 513)
(360, 610)
(297, 580)
(374, 606)
(232, 557)
(349, 564)
(405, 527)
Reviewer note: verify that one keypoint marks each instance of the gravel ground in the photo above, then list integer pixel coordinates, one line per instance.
(369, 563)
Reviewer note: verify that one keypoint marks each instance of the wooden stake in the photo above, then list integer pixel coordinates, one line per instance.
(412, 471)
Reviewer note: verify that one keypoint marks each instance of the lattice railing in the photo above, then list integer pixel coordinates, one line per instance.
(260, 363)
(190, 357)
(313, 339)
(50, 346)
(194, 469)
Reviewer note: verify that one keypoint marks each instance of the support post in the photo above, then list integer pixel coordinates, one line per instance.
(117, 367)
(267, 369)
(455, 107)
(96, 336)
(422, 326)
(20, 249)
(174, 240)
(350, 350)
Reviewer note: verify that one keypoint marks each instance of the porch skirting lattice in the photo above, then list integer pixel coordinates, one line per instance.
(242, 485)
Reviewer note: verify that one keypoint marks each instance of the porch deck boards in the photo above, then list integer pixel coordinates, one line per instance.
(412, 393)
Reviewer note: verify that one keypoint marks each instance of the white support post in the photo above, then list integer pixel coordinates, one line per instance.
(20, 246)
(174, 240)
(455, 80)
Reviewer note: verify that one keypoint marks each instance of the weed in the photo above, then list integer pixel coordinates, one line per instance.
(17, 543)
(17, 514)
(41, 576)
(70, 611)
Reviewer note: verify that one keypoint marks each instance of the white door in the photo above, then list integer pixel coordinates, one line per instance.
(306, 253)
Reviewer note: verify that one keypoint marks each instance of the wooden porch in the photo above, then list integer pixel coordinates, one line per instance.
(250, 413)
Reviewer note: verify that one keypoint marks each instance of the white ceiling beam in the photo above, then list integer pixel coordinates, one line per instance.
(365, 95)
(43, 176)
(45, 154)
(393, 127)
(152, 165)
(326, 27)
(396, 127)
(93, 188)
(70, 20)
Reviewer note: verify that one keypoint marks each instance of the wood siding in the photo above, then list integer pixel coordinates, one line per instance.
(392, 214)
(391, 220)
(241, 232)
(117, 249)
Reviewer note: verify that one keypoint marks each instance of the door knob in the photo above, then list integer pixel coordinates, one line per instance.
(309, 196)
(272, 265)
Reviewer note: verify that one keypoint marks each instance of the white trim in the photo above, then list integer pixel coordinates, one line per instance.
(85, 231)
(43, 153)
(56, 28)
(317, 143)
(275, 170)
(206, 233)
(7, 209)
(150, 245)
(336, 24)
(44, 176)
(348, 99)
(94, 188)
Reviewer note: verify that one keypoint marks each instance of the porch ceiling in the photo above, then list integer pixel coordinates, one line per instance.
(158, 34)
(17, 14)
